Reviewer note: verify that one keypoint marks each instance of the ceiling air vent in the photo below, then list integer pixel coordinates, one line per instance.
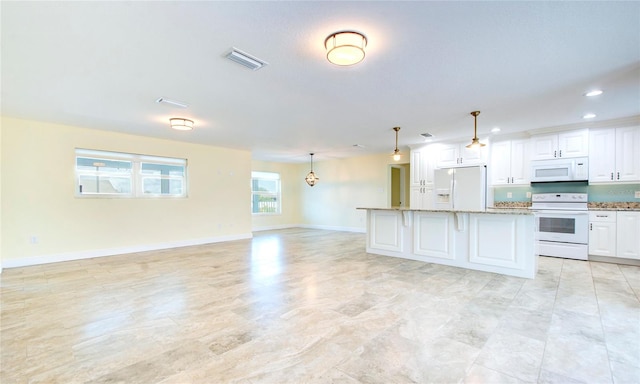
(251, 62)
(426, 135)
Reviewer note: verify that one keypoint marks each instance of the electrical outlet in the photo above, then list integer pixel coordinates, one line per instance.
(529, 194)
(637, 194)
(509, 195)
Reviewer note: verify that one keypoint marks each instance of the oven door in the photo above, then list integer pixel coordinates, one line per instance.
(563, 226)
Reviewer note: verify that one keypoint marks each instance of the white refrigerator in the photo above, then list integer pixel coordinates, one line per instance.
(461, 189)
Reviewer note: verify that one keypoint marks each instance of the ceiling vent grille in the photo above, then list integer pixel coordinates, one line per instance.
(243, 58)
(426, 135)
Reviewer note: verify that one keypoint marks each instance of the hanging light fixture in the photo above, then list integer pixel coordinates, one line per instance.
(396, 152)
(311, 178)
(345, 47)
(181, 124)
(475, 142)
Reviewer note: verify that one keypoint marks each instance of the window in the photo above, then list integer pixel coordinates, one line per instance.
(265, 193)
(112, 174)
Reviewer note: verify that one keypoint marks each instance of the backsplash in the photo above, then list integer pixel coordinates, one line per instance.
(622, 193)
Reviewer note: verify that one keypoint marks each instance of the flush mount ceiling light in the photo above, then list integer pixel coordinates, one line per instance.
(345, 47)
(396, 152)
(311, 178)
(475, 142)
(181, 124)
(589, 116)
(595, 92)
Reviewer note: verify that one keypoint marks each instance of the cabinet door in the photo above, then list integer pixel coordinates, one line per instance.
(627, 154)
(415, 199)
(472, 156)
(520, 165)
(433, 235)
(428, 164)
(602, 158)
(544, 147)
(448, 156)
(628, 240)
(501, 163)
(602, 238)
(573, 143)
(416, 167)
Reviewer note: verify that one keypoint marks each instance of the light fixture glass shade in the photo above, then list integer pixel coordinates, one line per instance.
(345, 48)
(181, 124)
(311, 178)
(475, 142)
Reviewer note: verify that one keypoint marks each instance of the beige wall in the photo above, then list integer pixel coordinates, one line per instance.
(344, 185)
(38, 200)
(291, 184)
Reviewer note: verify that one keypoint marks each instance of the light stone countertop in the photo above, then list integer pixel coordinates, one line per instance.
(499, 211)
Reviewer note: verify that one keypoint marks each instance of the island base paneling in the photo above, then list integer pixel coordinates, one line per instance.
(486, 241)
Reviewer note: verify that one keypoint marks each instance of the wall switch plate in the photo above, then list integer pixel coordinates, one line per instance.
(509, 195)
(637, 194)
(529, 194)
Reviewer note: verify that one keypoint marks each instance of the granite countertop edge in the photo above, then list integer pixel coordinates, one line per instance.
(499, 211)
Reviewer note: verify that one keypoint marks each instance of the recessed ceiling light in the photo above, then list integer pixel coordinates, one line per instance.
(495, 129)
(595, 92)
(589, 116)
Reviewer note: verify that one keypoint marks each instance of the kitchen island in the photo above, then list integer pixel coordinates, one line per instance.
(496, 240)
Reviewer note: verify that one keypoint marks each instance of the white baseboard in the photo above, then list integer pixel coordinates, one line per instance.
(70, 256)
(334, 228)
(274, 227)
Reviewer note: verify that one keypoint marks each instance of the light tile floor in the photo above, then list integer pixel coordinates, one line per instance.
(311, 306)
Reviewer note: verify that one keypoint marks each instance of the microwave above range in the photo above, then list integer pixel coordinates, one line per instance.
(563, 169)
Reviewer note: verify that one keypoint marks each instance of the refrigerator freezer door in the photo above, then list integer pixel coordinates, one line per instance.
(443, 182)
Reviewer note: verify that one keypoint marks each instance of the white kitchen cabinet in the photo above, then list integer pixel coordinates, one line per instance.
(628, 235)
(614, 155)
(602, 233)
(422, 166)
(557, 145)
(422, 197)
(433, 235)
(510, 162)
(458, 155)
(497, 240)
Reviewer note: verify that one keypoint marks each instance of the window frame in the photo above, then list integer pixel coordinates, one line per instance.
(136, 175)
(270, 176)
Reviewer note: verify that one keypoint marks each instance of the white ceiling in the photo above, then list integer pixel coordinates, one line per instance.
(524, 65)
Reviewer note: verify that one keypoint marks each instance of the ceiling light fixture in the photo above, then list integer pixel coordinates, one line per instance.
(181, 124)
(495, 130)
(589, 116)
(345, 47)
(311, 178)
(595, 92)
(396, 152)
(475, 142)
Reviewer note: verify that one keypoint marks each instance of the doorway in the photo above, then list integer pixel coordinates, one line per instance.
(397, 177)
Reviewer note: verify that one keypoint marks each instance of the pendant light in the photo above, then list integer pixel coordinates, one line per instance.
(475, 142)
(396, 152)
(311, 178)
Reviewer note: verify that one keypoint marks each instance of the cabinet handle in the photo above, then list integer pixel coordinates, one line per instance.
(611, 175)
(560, 153)
(591, 226)
(602, 215)
(511, 180)
(618, 175)
(554, 153)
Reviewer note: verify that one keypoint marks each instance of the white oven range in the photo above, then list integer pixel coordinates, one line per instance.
(562, 224)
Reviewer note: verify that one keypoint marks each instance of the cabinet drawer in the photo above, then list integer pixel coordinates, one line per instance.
(609, 216)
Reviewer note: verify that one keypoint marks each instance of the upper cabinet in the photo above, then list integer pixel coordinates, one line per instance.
(614, 155)
(557, 145)
(458, 155)
(510, 162)
(422, 166)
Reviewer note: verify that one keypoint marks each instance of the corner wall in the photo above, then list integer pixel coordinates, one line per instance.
(48, 223)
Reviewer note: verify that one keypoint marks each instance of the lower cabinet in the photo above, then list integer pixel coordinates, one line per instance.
(602, 233)
(496, 241)
(614, 234)
(628, 238)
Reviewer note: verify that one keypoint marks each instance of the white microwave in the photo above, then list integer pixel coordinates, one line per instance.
(564, 169)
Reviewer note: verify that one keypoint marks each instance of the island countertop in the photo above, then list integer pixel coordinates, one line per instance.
(499, 211)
